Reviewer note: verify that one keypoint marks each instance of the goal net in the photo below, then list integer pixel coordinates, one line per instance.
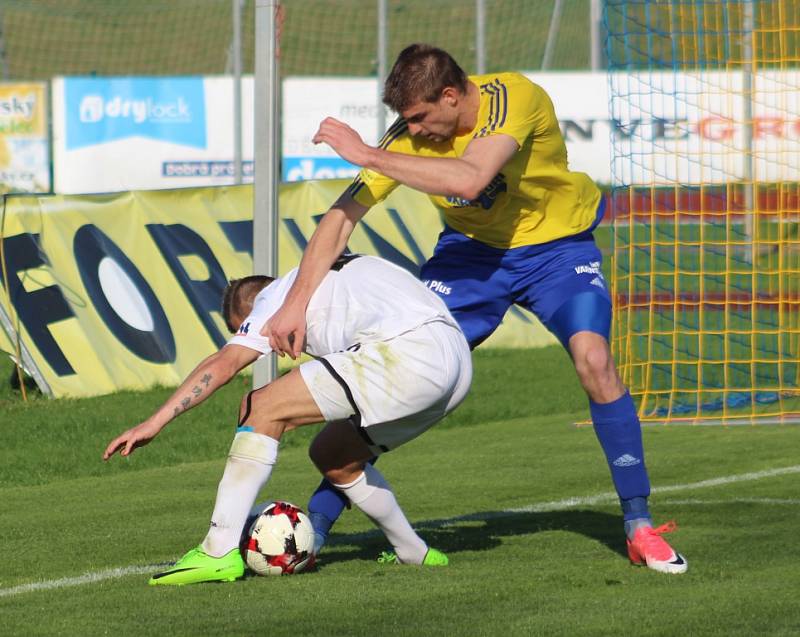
(706, 206)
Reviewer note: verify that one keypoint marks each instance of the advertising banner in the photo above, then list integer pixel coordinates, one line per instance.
(309, 100)
(118, 134)
(662, 127)
(705, 127)
(115, 134)
(123, 291)
(24, 138)
(581, 103)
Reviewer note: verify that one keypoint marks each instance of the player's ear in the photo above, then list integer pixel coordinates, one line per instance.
(450, 96)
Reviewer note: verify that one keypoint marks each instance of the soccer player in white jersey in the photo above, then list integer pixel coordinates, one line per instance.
(389, 361)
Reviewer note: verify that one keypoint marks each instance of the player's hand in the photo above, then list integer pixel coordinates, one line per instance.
(132, 439)
(344, 140)
(286, 331)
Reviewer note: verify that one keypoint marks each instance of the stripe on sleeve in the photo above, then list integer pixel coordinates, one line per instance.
(491, 90)
(394, 131)
(392, 127)
(504, 101)
(499, 106)
(353, 188)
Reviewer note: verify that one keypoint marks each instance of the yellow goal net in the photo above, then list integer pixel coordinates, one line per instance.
(705, 201)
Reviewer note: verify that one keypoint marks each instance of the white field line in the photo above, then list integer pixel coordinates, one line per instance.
(698, 502)
(610, 496)
(86, 578)
(556, 505)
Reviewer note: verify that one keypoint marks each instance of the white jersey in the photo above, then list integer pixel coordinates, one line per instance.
(367, 300)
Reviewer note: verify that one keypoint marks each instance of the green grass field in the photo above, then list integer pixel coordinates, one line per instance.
(514, 492)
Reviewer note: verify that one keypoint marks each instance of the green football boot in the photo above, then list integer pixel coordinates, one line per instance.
(432, 558)
(435, 558)
(388, 557)
(196, 567)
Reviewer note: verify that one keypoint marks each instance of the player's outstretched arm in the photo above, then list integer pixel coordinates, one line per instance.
(205, 379)
(465, 176)
(286, 329)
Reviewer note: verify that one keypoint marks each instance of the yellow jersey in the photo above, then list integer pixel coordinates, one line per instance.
(533, 199)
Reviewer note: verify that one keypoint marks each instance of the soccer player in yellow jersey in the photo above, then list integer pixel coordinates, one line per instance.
(518, 230)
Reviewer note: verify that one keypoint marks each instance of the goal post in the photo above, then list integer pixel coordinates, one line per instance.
(705, 200)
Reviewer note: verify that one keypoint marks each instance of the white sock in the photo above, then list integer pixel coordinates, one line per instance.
(248, 468)
(372, 494)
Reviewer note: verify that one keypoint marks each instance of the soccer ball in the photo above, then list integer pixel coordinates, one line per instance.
(280, 539)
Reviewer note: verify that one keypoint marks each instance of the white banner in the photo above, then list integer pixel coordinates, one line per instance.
(705, 127)
(660, 127)
(581, 101)
(309, 100)
(126, 133)
(112, 134)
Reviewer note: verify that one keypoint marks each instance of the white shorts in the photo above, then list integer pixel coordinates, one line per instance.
(397, 388)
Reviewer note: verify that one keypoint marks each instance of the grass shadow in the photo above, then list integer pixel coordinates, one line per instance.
(484, 531)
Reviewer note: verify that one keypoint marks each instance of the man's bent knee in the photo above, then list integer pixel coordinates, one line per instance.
(595, 367)
(254, 416)
(339, 451)
(282, 405)
(336, 467)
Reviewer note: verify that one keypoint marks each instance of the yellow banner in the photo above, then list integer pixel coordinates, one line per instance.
(122, 291)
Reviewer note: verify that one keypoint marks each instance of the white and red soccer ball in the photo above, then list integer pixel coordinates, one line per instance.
(279, 540)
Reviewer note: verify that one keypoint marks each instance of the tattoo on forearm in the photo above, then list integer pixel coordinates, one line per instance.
(196, 391)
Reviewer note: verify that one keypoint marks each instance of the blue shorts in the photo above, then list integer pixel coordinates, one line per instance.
(559, 281)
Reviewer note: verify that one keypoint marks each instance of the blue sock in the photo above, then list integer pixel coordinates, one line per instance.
(325, 507)
(617, 427)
